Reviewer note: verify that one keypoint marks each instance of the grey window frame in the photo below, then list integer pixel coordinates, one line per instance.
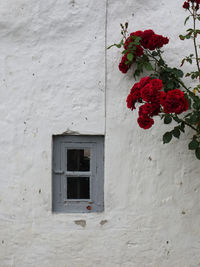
(60, 203)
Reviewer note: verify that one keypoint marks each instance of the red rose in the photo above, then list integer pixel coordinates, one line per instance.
(162, 96)
(144, 81)
(145, 109)
(136, 96)
(131, 39)
(175, 102)
(132, 98)
(165, 40)
(149, 109)
(137, 33)
(156, 84)
(123, 67)
(155, 109)
(145, 122)
(145, 37)
(139, 51)
(157, 41)
(186, 5)
(130, 103)
(136, 87)
(156, 97)
(147, 92)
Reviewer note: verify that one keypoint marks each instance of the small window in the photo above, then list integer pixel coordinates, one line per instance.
(78, 173)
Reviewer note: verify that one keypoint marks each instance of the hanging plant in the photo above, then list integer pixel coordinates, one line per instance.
(163, 93)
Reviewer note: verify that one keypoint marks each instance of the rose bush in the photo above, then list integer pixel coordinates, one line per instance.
(163, 93)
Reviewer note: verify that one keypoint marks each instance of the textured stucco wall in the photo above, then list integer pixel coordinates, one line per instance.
(53, 73)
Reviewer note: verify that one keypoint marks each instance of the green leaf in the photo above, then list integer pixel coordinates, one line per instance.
(130, 56)
(170, 84)
(138, 38)
(194, 118)
(186, 20)
(167, 137)
(193, 145)
(136, 43)
(154, 76)
(176, 132)
(167, 119)
(179, 73)
(125, 51)
(197, 153)
(196, 105)
(177, 119)
(130, 45)
(161, 62)
(136, 73)
(148, 66)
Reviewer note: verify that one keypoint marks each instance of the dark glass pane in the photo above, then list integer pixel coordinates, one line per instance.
(78, 187)
(78, 159)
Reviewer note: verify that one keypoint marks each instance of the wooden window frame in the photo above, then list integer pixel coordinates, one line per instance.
(60, 203)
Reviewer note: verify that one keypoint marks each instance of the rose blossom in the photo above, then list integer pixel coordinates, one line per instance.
(147, 92)
(156, 41)
(157, 84)
(123, 67)
(149, 109)
(145, 122)
(186, 5)
(146, 36)
(144, 81)
(175, 102)
(132, 99)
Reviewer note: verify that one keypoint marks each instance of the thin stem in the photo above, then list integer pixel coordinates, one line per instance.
(184, 86)
(188, 124)
(194, 40)
(165, 65)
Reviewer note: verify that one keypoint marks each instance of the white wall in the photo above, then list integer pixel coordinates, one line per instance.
(52, 66)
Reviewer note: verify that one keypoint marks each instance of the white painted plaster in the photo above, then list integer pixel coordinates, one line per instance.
(52, 73)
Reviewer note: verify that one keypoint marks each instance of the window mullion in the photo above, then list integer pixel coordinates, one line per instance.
(79, 174)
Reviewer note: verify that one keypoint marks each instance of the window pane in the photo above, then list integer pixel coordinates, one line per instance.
(78, 187)
(78, 159)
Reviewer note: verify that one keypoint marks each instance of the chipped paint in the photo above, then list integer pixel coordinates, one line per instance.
(102, 222)
(80, 222)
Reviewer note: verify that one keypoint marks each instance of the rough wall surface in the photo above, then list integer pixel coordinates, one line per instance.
(53, 74)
